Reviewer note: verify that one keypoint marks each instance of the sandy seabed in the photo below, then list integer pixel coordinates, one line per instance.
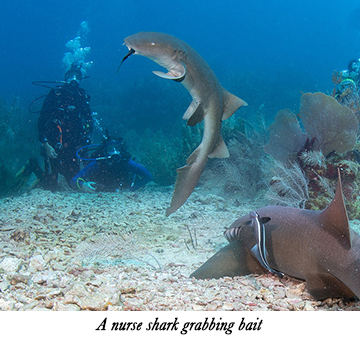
(117, 251)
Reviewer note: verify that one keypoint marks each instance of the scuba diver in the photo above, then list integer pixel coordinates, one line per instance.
(348, 81)
(65, 123)
(110, 170)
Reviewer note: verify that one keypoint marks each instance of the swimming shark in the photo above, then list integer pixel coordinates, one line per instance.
(316, 246)
(211, 102)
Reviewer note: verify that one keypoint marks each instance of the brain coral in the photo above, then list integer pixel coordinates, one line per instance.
(334, 125)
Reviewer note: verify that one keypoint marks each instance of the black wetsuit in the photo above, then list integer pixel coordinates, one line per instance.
(66, 123)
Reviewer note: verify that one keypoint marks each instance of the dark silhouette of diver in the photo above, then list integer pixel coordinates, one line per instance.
(65, 124)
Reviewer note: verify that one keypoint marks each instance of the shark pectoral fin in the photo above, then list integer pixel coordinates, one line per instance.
(324, 285)
(231, 104)
(175, 74)
(194, 114)
(232, 260)
(220, 150)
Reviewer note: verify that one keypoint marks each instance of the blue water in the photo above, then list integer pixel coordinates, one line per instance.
(264, 51)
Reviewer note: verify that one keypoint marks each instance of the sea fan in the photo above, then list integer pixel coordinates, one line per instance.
(334, 125)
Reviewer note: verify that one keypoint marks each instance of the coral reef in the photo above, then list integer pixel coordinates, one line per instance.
(245, 173)
(334, 125)
(17, 141)
(286, 137)
(331, 133)
(289, 186)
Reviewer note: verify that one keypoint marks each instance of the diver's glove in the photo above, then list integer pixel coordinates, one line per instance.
(49, 151)
(88, 186)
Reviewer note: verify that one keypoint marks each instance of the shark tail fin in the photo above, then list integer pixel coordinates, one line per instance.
(186, 180)
(231, 104)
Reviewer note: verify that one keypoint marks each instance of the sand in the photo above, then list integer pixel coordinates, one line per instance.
(118, 251)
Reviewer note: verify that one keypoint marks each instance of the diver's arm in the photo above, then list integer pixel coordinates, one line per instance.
(49, 151)
(88, 173)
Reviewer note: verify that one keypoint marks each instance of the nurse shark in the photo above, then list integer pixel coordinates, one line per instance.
(316, 246)
(211, 102)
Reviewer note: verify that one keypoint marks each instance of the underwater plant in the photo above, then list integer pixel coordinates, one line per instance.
(333, 125)
(245, 173)
(159, 153)
(331, 131)
(17, 140)
(286, 137)
(288, 186)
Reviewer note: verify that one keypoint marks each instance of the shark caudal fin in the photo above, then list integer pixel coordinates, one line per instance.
(186, 180)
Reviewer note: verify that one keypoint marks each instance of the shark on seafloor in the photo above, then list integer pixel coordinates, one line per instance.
(316, 246)
(211, 102)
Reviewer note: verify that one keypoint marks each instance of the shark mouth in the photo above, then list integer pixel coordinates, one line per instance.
(131, 51)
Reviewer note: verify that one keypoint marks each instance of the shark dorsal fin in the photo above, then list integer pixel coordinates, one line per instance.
(231, 104)
(334, 218)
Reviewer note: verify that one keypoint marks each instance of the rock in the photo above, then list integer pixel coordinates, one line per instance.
(15, 279)
(40, 278)
(10, 264)
(58, 306)
(87, 300)
(4, 285)
(57, 266)
(227, 307)
(6, 305)
(37, 263)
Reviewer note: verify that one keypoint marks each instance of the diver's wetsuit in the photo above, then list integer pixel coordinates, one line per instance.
(110, 177)
(66, 123)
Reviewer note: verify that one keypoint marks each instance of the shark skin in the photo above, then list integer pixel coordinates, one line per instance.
(211, 102)
(316, 246)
